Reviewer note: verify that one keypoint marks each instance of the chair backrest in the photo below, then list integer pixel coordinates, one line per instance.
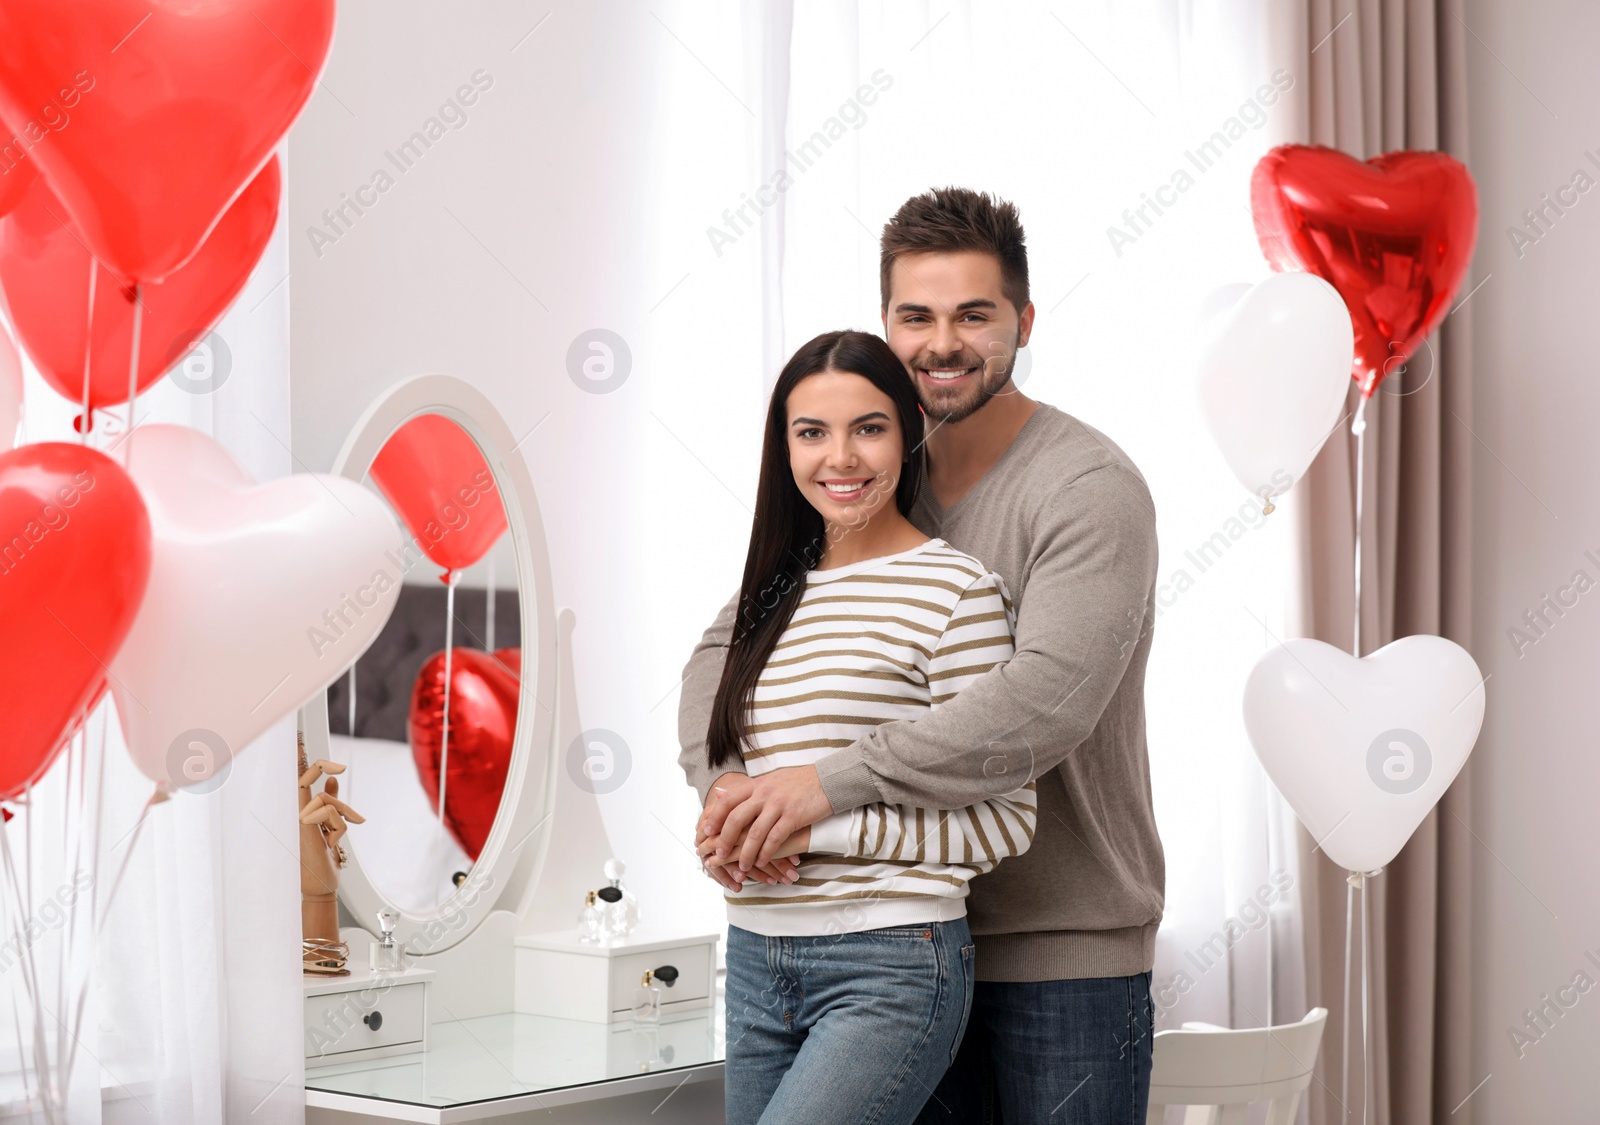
(1219, 1072)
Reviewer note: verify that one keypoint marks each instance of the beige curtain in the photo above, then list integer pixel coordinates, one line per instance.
(1385, 75)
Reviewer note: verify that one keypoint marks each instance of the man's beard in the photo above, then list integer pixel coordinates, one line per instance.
(946, 409)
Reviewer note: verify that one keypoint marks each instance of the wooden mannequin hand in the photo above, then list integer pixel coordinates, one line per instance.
(323, 823)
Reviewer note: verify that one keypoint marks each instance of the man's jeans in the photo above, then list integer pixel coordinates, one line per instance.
(1059, 1052)
(845, 1028)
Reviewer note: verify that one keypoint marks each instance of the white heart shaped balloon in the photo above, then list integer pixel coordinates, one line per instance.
(1363, 749)
(1274, 369)
(260, 596)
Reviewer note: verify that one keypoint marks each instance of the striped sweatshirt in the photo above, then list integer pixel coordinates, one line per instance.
(870, 642)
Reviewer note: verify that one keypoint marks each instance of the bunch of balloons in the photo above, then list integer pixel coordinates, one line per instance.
(1368, 257)
(138, 189)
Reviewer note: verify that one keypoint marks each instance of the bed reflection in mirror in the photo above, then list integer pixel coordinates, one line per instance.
(425, 720)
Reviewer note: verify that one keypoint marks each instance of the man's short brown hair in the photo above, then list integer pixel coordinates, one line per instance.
(946, 220)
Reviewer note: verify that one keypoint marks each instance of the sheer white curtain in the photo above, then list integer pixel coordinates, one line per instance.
(193, 1013)
(707, 346)
(1085, 116)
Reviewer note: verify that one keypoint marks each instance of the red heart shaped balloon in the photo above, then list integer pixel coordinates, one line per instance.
(433, 473)
(1393, 235)
(484, 690)
(44, 273)
(149, 119)
(14, 183)
(74, 563)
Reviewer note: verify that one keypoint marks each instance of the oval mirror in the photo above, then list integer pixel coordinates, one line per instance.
(444, 724)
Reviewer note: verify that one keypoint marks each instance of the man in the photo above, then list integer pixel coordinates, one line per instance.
(1060, 1027)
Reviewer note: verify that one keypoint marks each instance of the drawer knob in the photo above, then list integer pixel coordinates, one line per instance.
(373, 1019)
(666, 974)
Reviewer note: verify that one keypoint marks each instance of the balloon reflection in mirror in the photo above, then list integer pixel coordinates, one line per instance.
(426, 718)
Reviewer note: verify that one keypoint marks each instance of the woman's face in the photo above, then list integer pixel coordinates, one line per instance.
(845, 446)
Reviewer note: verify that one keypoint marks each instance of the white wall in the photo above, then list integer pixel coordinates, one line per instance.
(535, 221)
(1537, 915)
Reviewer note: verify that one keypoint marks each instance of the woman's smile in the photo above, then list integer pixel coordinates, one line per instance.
(844, 490)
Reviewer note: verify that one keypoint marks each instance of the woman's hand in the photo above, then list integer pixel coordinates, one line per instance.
(730, 788)
(716, 853)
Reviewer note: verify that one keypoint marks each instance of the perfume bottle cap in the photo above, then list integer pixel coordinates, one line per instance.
(387, 920)
(588, 898)
(615, 869)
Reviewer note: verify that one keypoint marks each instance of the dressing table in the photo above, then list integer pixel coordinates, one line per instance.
(495, 1067)
(499, 1013)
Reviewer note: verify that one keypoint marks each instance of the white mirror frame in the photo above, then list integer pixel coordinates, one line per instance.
(507, 869)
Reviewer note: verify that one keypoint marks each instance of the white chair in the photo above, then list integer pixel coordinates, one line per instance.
(1218, 1072)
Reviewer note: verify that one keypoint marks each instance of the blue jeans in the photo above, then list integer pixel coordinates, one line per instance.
(1055, 1052)
(844, 1028)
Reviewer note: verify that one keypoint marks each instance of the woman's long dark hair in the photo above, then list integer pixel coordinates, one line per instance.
(786, 536)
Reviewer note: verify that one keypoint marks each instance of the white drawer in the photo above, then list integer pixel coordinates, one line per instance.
(377, 1014)
(557, 975)
(693, 983)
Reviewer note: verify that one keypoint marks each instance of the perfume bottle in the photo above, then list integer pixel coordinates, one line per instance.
(386, 955)
(647, 997)
(590, 919)
(620, 915)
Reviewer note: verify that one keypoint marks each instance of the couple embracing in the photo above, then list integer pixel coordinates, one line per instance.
(918, 729)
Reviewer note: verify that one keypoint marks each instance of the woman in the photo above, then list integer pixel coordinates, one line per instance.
(848, 989)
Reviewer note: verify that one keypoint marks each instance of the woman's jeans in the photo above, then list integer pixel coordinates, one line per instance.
(843, 1028)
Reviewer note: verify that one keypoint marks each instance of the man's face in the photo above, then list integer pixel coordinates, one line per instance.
(954, 329)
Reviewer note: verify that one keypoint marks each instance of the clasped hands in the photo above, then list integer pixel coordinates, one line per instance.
(751, 826)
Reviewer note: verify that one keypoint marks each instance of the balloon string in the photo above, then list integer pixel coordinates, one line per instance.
(488, 605)
(27, 868)
(1359, 428)
(63, 967)
(41, 1059)
(30, 964)
(1365, 1007)
(88, 346)
(1349, 948)
(444, 736)
(155, 798)
(1270, 926)
(22, 1055)
(16, 1019)
(94, 869)
(133, 370)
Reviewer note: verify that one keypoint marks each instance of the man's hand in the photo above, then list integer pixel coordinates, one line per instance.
(765, 811)
(730, 787)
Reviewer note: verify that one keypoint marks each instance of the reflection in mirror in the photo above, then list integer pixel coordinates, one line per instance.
(425, 719)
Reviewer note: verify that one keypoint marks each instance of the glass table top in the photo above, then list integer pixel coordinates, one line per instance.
(517, 1055)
